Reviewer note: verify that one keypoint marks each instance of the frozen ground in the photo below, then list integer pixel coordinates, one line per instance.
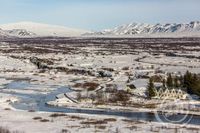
(75, 61)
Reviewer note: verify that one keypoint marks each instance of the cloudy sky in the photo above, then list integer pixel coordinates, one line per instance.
(98, 14)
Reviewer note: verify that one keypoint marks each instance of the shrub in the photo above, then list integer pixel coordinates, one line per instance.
(120, 96)
(108, 69)
(44, 120)
(4, 130)
(125, 68)
(90, 86)
(37, 118)
(57, 115)
(94, 122)
(110, 119)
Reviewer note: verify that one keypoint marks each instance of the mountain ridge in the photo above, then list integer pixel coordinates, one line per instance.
(134, 29)
(31, 29)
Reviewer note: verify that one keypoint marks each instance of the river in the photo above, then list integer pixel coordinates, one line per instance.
(37, 102)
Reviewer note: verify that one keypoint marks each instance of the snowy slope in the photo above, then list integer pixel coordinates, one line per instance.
(15, 33)
(3, 33)
(43, 29)
(20, 33)
(134, 29)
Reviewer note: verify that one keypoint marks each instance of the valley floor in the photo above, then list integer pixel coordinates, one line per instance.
(34, 75)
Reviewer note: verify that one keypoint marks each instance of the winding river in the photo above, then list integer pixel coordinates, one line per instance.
(38, 101)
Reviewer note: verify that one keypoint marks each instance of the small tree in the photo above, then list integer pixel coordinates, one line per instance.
(181, 80)
(92, 97)
(122, 97)
(164, 83)
(170, 81)
(188, 81)
(176, 82)
(79, 96)
(150, 89)
(100, 97)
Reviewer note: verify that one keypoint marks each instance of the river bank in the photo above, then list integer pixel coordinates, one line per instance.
(39, 122)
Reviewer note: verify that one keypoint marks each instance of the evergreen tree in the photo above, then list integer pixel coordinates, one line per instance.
(188, 82)
(150, 88)
(176, 82)
(192, 83)
(164, 83)
(181, 80)
(195, 85)
(169, 81)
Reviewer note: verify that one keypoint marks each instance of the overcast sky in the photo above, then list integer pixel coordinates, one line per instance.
(98, 14)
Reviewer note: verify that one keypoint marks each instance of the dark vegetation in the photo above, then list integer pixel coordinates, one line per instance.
(104, 45)
(57, 115)
(89, 86)
(44, 120)
(6, 130)
(192, 83)
(94, 122)
(37, 118)
(118, 97)
(188, 82)
(150, 89)
(46, 64)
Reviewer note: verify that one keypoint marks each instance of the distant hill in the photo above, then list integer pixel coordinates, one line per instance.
(29, 29)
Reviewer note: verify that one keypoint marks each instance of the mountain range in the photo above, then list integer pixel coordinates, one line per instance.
(31, 29)
(141, 29)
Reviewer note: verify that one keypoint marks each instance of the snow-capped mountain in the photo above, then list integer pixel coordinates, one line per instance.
(15, 33)
(30, 29)
(3, 34)
(20, 33)
(37, 29)
(192, 28)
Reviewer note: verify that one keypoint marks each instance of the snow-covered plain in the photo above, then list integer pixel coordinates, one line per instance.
(125, 62)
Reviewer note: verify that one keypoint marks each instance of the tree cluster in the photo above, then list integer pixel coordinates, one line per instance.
(192, 83)
(189, 82)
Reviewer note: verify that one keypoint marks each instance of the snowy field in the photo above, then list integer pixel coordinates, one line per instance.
(36, 74)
